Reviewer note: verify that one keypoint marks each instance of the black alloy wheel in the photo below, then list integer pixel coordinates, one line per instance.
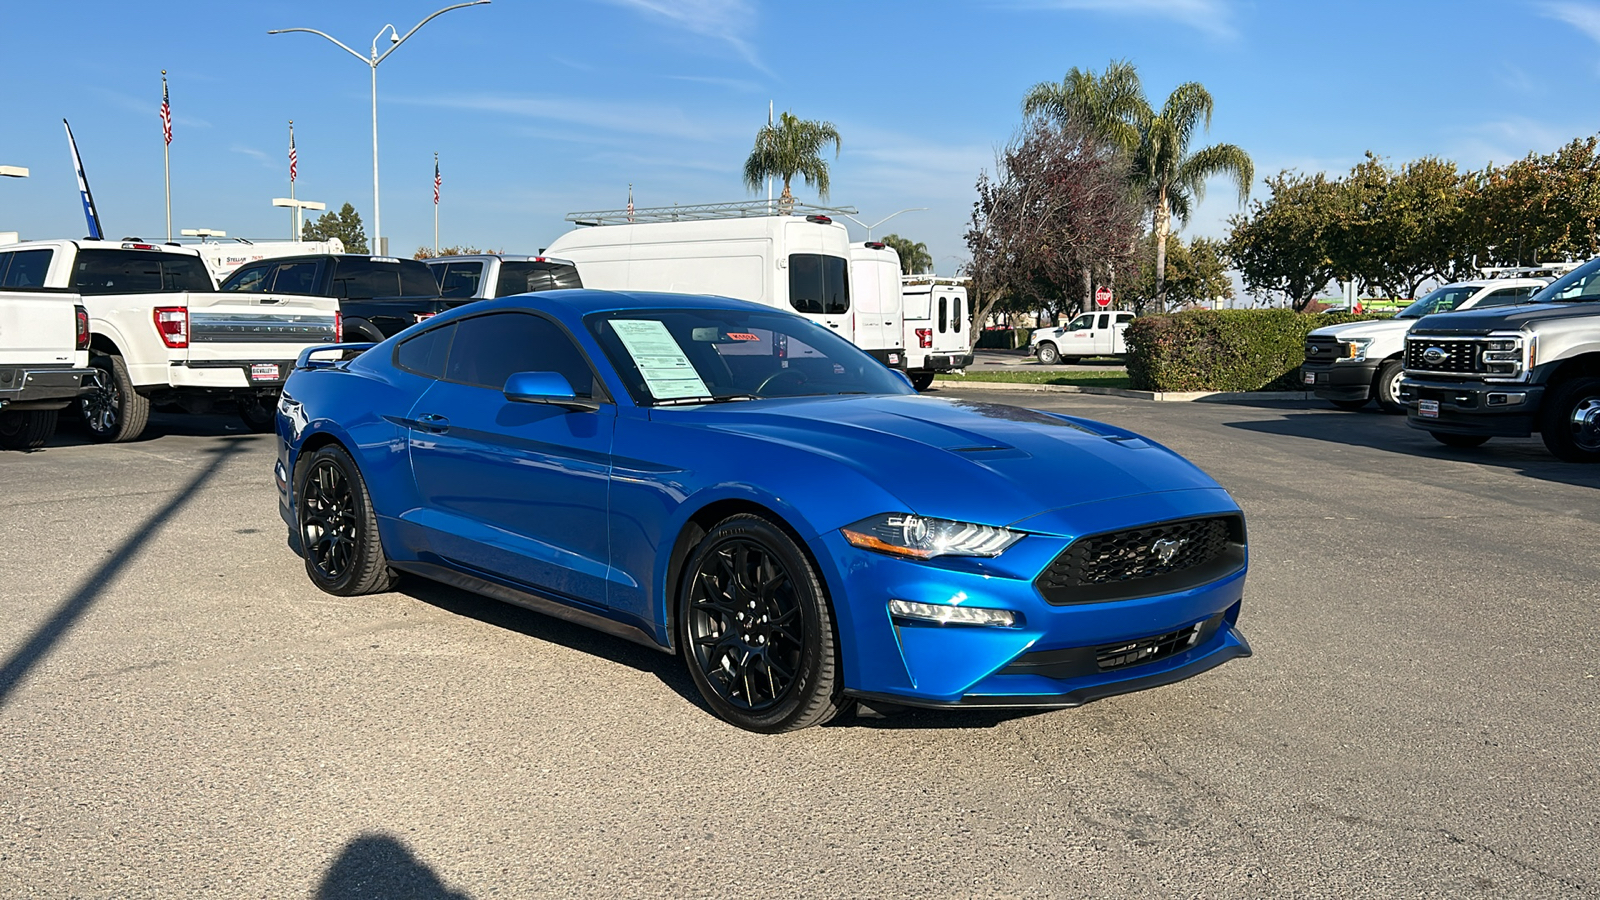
(338, 529)
(114, 412)
(756, 630)
(1570, 421)
(258, 413)
(1459, 441)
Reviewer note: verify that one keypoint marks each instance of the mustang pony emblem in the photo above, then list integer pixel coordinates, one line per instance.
(1166, 548)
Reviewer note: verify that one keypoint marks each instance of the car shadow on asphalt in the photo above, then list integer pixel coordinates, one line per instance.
(1390, 433)
(376, 866)
(71, 432)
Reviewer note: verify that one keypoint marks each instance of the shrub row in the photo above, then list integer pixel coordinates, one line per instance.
(1223, 349)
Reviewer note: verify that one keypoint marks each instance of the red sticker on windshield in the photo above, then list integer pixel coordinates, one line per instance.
(741, 336)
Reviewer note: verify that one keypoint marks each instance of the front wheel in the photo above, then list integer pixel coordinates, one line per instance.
(921, 380)
(27, 430)
(1570, 424)
(1459, 441)
(114, 412)
(1388, 383)
(756, 629)
(1048, 354)
(338, 529)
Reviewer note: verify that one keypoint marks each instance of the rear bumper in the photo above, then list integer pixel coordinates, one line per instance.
(894, 358)
(45, 384)
(944, 362)
(230, 374)
(1469, 407)
(1340, 381)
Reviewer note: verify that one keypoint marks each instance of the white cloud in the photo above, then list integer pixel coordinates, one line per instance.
(1210, 16)
(1582, 16)
(269, 162)
(625, 118)
(728, 21)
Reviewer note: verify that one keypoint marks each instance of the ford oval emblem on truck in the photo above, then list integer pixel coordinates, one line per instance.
(1434, 355)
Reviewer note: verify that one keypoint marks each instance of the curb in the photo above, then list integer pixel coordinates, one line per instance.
(1157, 396)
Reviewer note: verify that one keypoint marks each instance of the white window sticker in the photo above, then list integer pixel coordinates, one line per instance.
(667, 371)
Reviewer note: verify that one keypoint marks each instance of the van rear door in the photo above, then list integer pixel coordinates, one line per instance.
(819, 276)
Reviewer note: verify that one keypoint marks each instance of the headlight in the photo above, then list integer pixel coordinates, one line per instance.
(904, 534)
(1355, 349)
(1503, 356)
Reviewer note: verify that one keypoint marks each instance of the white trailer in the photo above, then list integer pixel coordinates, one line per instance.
(937, 337)
(798, 262)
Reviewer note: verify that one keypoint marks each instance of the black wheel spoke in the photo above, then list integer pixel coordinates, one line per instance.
(329, 523)
(741, 604)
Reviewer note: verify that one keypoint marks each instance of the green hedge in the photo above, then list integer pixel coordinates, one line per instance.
(1224, 349)
(1003, 338)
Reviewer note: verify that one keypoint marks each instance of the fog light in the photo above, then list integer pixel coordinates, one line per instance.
(1506, 399)
(952, 615)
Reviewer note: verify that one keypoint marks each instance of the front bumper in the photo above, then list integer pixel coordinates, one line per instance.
(1054, 656)
(1340, 381)
(1472, 407)
(45, 385)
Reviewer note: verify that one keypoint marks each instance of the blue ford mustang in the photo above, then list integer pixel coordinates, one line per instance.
(742, 486)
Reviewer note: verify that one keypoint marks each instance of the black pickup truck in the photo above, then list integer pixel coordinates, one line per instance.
(378, 295)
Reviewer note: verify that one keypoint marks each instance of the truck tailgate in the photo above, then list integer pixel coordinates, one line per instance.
(37, 328)
(255, 335)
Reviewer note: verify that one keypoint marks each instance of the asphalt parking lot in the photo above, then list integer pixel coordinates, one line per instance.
(183, 715)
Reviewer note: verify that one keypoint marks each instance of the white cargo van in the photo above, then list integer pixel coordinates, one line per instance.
(878, 321)
(936, 334)
(798, 262)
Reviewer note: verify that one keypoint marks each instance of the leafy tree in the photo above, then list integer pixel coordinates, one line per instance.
(459, 250)
(1109, 106)
(1398, 228)
(1539, 209)
(914, 258)
(344, 225)
(1196, 273)
(1281, 245)
(790, 147)
(1057, 206)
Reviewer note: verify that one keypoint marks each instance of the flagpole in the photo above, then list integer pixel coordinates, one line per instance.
(436, 204)
(166, 151)
(294, 214)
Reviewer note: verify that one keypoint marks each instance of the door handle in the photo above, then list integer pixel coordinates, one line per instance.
(434, 424)
(833, 324)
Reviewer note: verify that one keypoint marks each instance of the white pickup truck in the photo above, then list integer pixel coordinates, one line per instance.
(1090, 334)
(161, 333)
(44, 352)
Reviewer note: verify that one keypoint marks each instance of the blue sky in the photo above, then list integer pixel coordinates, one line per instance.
(539, 108)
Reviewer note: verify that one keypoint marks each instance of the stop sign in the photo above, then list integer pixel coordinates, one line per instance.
(1102, 297)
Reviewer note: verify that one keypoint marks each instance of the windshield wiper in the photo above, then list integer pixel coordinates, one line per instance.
(699, 401)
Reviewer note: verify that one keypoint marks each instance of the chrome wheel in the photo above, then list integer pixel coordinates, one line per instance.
(1571, 420)
(1585, 424)
(745, 625)
(329, 521)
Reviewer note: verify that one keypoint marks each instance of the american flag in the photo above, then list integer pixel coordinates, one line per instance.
(436, 180)
(166, 110)
(294, 158)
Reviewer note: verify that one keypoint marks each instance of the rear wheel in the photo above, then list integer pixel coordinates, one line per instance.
(1048, 355)
(114, 412)
(756, 629)
(1570, 424)
(921, 380)
(1459, 441)
(27, 430)
(1388, 384)
(1349, 404)
(338, 529)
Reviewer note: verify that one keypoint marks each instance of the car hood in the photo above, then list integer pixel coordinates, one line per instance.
(962, 459)
(1503, 318)
(1368, 328)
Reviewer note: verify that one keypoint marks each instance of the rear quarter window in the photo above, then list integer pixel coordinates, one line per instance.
(528, 277)
(26, 270)
(363, 279)
(426, 353)
(138, 272)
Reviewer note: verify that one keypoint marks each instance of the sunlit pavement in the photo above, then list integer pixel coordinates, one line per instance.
(183, 715)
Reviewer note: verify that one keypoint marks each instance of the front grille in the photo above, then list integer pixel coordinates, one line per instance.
(1459, 357)
(1118, 656)
(1322, 350)
(1162, 558)
(1078, 662)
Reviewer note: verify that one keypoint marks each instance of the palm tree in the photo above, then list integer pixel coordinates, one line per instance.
(791, 147)
(1171, 178)
(914, 257)
(1110, 107)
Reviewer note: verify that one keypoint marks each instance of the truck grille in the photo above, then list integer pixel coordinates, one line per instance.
(1142, 562)
(1322, 350)
(1454, 357)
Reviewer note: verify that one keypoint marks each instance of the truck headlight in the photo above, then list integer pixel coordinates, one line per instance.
(1355, 350)
(916, 537)
(1507, 356)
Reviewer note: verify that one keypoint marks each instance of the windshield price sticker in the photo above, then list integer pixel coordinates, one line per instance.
(667, 371)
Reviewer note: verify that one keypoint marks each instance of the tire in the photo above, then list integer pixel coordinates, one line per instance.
(1048, 354)
(115, 412)
(921, 380)
(259, 416)
(1459, 441)
(1351, 405)
(27, 430)
(1387, 386)
(1570, 421)
(756, 629)
(337, 527)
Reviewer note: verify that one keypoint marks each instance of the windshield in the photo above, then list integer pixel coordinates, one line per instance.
(684, 355)
(1578, 286)
(1441, 300)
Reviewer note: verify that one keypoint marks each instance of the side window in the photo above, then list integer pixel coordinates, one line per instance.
(489, 349)
(944, 305)
(361, 279)
(955, 314)
(460, 279)
(251, 279)
(5, 260)
(425, 354)
(1081, 323)
(1504, 297)
(1124, 318)
(1105, 320)
(27, 269)
(300, 277)
(819, 284)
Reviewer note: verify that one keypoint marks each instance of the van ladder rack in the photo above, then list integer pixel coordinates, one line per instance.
(738, 209)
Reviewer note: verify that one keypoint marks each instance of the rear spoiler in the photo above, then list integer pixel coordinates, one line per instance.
(303, 361)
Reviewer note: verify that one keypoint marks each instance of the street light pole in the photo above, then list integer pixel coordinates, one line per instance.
(395, 40)
(882, 220)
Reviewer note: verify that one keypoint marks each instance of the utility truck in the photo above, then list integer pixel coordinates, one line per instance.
(937, 338)
(1097, 333)
(160, 333)
(223, 257)
(44, 350)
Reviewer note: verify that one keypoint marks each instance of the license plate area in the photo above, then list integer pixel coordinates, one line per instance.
(1309, 377)
(265, 372)
(1428, 409)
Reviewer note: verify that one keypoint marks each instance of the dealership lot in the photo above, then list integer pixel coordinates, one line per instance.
(185, 715)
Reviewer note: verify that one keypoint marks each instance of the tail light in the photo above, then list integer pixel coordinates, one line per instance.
(338, 328)
(172, 322)
(820, 220)
(924, 337)
(83, 327)
(875, 245)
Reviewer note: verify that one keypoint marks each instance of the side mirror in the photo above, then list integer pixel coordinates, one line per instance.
(548, 388)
